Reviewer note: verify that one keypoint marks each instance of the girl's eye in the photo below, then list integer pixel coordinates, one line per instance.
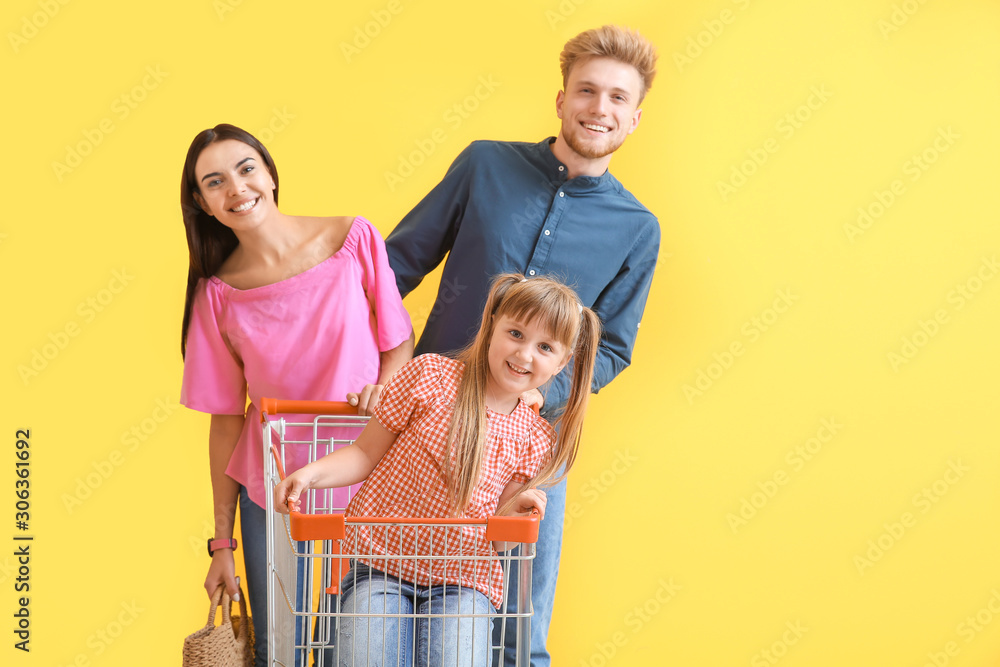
(545, 347)
(515, 333)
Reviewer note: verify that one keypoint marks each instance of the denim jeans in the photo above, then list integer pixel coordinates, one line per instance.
(253, 528)
(544, 571)
(404, 640)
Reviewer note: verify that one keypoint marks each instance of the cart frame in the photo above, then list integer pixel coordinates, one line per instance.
(307, 558)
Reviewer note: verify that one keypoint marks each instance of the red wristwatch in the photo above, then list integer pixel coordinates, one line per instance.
(215, 545)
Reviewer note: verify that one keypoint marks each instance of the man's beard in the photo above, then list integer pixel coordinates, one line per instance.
(590, 151)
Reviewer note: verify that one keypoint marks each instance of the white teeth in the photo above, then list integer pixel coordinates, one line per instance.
(245, 207)
(519, 371)
(595, 128)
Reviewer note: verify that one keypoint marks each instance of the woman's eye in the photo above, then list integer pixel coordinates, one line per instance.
(214, 182)
(247, 169)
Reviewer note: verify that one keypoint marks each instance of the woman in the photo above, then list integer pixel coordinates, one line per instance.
(277, 306)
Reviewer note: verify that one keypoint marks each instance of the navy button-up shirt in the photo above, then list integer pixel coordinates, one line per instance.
(508, 207)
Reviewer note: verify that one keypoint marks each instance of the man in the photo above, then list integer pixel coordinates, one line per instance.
(550, 208)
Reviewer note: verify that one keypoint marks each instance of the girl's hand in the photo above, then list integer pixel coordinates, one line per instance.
(222, 571)
(524, 502)
(286, 494)
(366, 399)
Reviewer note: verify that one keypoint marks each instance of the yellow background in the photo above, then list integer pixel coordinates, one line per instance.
(842, 547)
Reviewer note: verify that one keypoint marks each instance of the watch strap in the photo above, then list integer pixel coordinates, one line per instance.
(215, 545)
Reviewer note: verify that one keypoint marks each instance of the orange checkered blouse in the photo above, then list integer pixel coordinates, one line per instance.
(409, 480)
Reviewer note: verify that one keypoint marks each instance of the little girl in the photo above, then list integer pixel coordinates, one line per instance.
(455, 439)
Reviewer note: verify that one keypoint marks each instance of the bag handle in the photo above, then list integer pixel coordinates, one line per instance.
(244, 616)
(220, 596)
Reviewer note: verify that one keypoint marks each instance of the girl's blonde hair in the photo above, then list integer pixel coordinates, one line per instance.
(577, 328)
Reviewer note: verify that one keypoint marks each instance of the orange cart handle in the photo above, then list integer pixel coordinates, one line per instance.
(332, 526)
(275, 406)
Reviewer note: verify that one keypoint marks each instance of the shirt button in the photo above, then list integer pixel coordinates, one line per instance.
(562, 194)
(562, 168)
(531, 273)
(547, 232)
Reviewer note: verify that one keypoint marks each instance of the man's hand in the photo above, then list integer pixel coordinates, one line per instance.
(533, 398)
(366, 399)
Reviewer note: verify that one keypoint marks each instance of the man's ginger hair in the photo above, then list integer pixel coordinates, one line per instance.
(622, 44)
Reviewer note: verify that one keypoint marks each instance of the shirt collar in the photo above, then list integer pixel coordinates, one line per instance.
(558, 171)
(517, 425)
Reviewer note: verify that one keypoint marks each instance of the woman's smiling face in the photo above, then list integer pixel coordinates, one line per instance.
(234, 184)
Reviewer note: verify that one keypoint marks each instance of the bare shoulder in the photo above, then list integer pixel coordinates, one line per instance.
(328, 233)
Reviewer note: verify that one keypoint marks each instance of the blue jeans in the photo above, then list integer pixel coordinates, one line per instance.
(404, 640)
(253, 528)
(544, 572)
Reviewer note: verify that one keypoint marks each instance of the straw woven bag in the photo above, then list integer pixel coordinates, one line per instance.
(226, 645)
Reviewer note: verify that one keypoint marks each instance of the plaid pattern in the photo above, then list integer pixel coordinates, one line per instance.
(409, 480)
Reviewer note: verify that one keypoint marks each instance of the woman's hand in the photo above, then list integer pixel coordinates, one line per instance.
(366, 399)
(525, 502)
(287, 493)
(222, 571)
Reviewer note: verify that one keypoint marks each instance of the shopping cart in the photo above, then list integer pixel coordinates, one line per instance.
(310, 552)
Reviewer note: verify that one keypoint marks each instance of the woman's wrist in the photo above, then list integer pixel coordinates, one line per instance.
(223, 544)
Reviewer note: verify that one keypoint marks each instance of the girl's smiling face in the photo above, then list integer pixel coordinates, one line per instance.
(235, 186)
(522, 356)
